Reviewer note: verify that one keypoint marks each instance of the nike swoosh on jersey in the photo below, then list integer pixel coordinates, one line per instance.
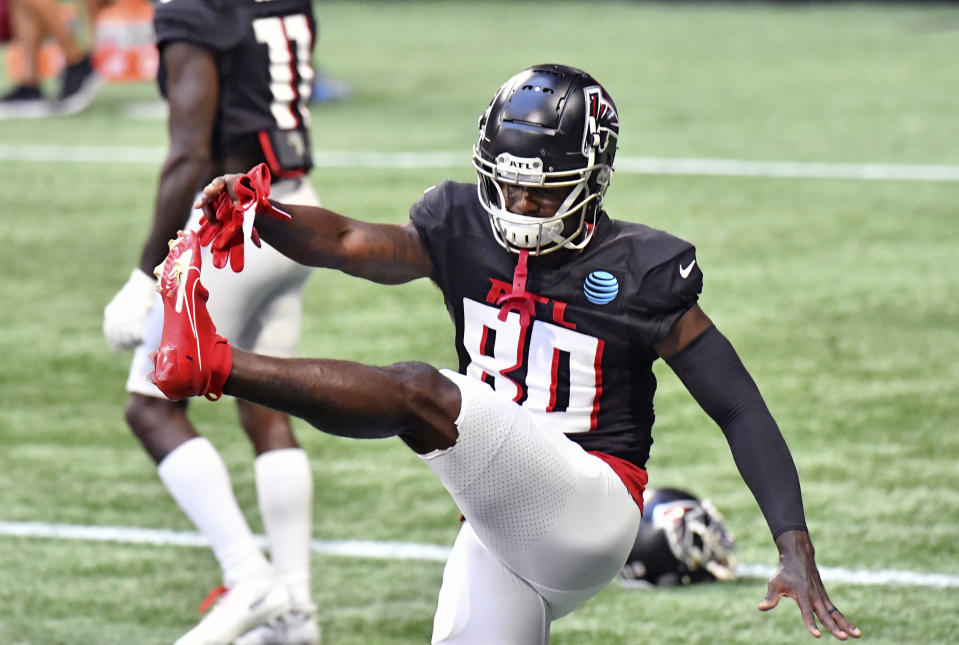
(685, 271)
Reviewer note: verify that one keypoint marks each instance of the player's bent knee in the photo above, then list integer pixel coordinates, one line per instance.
(267, 429)
(144, 413)
(432, 403)
(160, 425)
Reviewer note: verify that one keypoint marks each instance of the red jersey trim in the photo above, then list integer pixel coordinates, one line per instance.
(598, 370)
(272, 161)
(634, 477)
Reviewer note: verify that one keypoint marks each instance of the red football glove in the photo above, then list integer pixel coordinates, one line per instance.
(225, 236)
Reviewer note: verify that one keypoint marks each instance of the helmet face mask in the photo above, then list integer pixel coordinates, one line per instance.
(696, 536)
(537, 234)
(549, 126)
(681, 540)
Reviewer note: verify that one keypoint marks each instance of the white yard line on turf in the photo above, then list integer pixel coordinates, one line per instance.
(164, 537)
(440, 159)
(431, 552)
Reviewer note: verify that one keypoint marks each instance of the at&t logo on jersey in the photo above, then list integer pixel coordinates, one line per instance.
(601, 287)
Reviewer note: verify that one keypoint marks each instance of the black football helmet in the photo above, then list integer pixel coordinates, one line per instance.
(548, 126)
(681, 540)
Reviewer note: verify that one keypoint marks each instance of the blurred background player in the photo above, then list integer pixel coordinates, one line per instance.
(31, 22)
(237, 76)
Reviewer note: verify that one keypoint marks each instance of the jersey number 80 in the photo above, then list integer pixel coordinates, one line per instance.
(563, 374)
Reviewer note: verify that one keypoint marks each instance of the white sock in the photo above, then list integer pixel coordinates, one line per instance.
(198, 480)
(284, 485)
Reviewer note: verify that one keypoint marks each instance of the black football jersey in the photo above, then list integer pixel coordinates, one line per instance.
(263, 52)
(583, 363)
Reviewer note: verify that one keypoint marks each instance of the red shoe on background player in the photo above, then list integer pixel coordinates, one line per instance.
(193, 359)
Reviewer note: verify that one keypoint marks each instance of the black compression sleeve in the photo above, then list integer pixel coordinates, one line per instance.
(713, 373)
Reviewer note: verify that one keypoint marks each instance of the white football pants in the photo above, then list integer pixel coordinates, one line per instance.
(547, 524)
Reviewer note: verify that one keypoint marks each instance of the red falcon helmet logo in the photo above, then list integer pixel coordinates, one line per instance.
(602, 122)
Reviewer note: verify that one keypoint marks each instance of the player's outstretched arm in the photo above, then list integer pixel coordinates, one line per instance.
(711, 370)
(316, 236)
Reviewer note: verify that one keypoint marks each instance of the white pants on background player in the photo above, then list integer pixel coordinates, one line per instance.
(260, 310)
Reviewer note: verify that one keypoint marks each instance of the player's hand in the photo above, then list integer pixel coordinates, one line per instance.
(125, 315)
(224, 202)
(218, 191)
(798, 578)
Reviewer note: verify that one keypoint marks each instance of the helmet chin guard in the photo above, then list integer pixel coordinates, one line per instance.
(549, 126)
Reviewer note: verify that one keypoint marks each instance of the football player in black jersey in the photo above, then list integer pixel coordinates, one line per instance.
(542, 434)
(237, 76)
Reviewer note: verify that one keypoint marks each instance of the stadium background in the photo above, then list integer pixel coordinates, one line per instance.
(839, 292)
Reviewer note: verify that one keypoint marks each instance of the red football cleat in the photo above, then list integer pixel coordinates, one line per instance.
(193, 359)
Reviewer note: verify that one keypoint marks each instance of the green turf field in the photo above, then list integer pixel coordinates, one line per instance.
(840, 295)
